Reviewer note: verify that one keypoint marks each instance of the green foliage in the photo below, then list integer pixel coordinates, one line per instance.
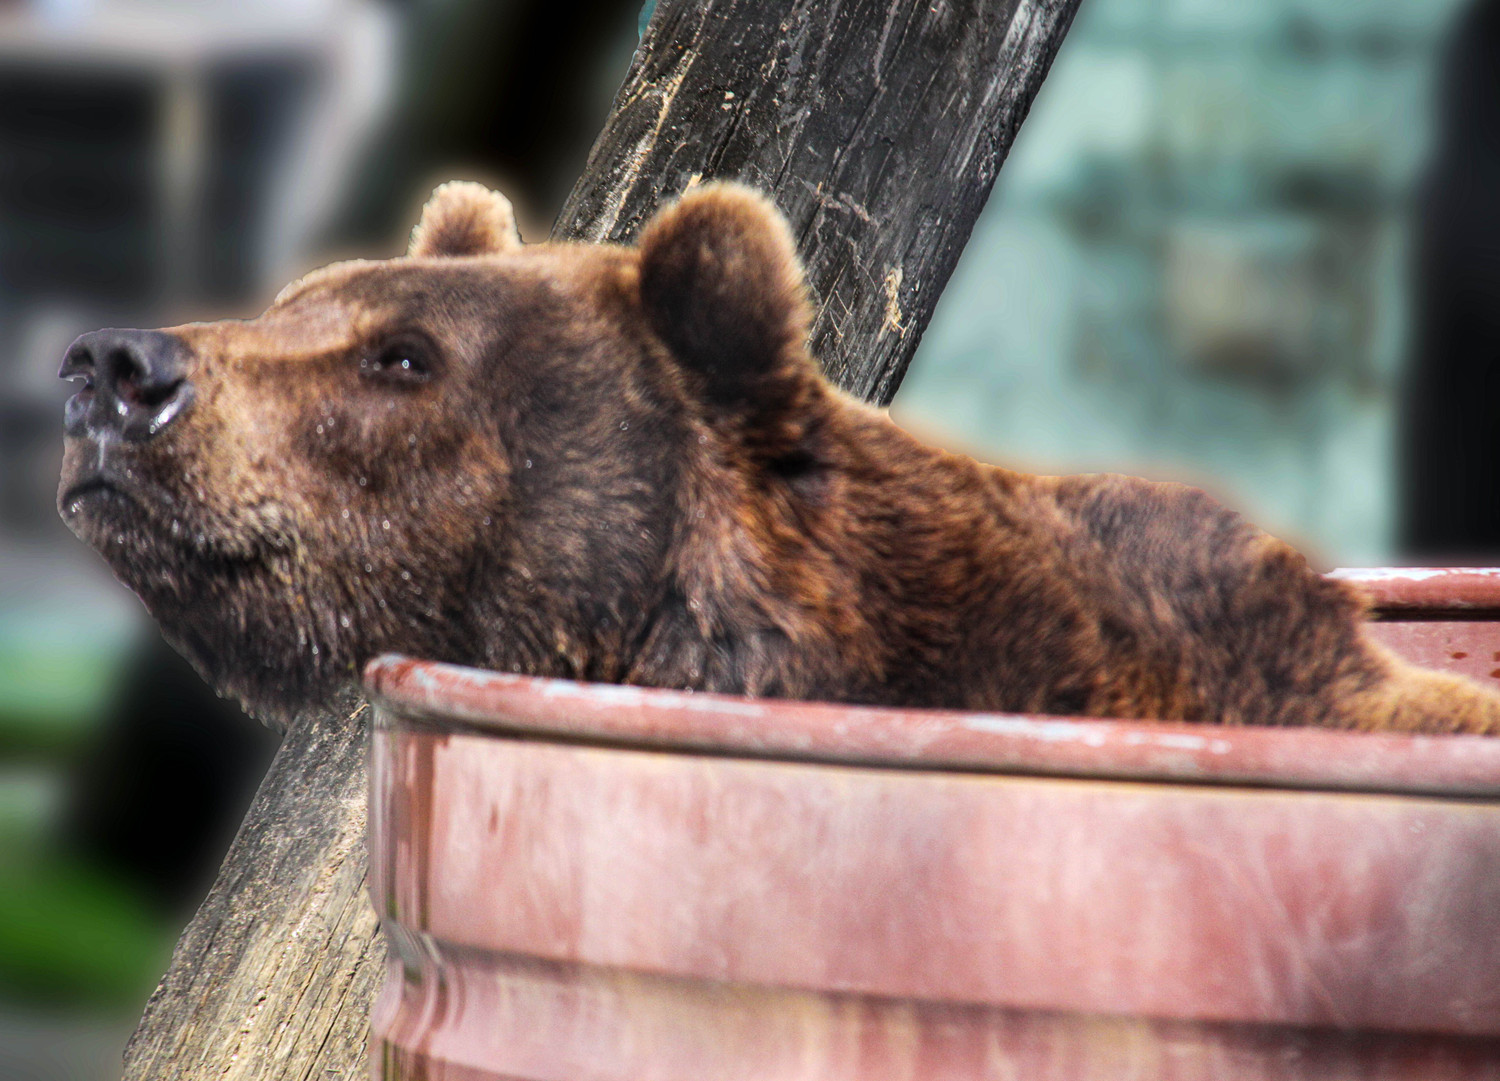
(70, 934)
(54, 681)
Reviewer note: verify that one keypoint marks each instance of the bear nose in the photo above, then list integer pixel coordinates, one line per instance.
(134, 384)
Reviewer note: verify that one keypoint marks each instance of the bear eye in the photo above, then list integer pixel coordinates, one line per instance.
(400, 360)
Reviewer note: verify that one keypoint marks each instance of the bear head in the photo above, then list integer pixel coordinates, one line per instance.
(483, 451)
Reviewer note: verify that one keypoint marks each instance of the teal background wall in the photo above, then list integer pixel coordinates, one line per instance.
(1192, 266)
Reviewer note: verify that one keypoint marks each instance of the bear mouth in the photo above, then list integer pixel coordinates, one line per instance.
(101, 506)
(106, 510)
(96, 487)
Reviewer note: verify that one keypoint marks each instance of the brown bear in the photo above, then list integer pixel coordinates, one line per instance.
(621, 464)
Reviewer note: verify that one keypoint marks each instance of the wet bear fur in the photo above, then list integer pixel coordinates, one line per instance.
(622, 464)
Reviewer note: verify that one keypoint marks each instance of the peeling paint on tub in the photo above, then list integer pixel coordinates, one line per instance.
(1047, 731)
(1409, 574)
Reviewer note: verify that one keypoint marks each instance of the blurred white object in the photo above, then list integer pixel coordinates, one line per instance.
(348, 47)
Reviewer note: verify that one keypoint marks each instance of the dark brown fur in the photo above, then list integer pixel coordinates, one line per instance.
(625, 467)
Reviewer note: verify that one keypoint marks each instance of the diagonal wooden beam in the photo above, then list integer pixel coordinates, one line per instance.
(879, 127)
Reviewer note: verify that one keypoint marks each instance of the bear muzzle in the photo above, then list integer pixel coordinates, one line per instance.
(134, 385)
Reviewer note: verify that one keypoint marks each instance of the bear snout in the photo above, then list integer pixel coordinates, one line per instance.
(134, 384)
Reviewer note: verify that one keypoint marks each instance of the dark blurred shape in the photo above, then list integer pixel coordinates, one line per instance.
(257, 102)
(1450, 469)
(513, 93)
(86, 210)
(76, 183)
(158, 795)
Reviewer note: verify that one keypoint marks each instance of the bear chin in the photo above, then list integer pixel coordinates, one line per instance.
(220, 605)
(258, 661)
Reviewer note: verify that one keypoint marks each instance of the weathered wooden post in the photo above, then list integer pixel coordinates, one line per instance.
(878, 126)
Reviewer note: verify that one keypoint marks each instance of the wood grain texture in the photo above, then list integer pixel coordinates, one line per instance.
(274, 976)
(878, 126)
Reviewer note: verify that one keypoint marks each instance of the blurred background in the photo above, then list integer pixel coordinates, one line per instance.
(1254, 247)
(1251, 246)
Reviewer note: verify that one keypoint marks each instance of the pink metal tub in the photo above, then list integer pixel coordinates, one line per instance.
(609, 883)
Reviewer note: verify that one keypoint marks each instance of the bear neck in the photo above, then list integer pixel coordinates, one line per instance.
(765, 591)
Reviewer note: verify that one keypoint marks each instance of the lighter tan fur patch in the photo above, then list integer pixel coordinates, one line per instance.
(464, 218)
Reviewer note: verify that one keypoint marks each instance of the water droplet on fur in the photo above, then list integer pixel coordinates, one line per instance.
(703, 439)
(486, 519)
(176, 527)
(411, 441)
(385, 523)
(406, 576)
(693, 605)
(345, 513)
(320, 429)
(344, 622)
(363, 481)
(528, 463)
(315, 650)
(329, 421)
(380, 601)
(119, 538)
(624, 425)
(75, 506)
(525, 572)
(369, 568)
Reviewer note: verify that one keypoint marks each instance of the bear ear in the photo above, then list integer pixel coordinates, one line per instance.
(464, 218)
(721, 286)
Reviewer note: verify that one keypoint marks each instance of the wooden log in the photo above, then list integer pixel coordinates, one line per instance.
(878, 126)
(274, 976)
